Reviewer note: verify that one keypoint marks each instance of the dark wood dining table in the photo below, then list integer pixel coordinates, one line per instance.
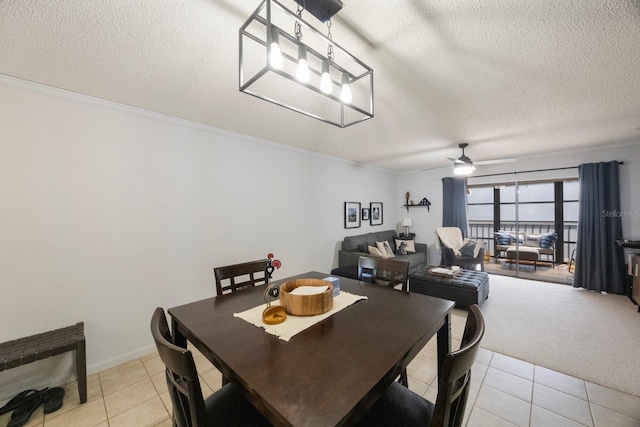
(329, 374)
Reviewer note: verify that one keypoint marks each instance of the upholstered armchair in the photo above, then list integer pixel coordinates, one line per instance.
(465, 253)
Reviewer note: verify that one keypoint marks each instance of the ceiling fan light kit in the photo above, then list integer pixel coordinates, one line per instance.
(463, 169)
(463, 165)
(315, 77)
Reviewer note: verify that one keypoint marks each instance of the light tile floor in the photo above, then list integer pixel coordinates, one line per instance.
(504, 392)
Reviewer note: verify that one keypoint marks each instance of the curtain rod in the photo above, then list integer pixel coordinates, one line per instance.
(529, 171)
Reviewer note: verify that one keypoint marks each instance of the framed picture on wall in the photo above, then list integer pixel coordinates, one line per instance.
(351, 214)
(376, 213)
(365, 214)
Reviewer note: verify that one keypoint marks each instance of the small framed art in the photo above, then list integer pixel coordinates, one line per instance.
(351, 214)
(365, 214)
(376, 213)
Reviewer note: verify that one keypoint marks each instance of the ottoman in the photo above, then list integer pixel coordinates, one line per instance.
(465, 288)
(526, 253)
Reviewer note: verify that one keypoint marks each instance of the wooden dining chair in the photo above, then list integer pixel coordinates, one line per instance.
(399, 406)
(234, 277)
(225, 407)
(389, 271)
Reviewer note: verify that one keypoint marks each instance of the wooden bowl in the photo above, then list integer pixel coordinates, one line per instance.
(306, 305)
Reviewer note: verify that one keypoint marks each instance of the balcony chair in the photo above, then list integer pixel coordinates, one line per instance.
(465, 253)
(399, 406)
(225, 407)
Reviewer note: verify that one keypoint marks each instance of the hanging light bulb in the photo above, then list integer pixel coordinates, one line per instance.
(275, 54)
(325, 81)
(303, 68)
(345, 93)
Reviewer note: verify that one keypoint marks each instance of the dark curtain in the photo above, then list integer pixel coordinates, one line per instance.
(599, 260)
(454, 204)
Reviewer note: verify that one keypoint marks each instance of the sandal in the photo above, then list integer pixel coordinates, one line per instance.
(19, 399)
(23, 412)
(53, 399)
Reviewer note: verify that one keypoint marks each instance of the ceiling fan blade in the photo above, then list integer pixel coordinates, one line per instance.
(435, 168)
(455, 160)
(496, 161)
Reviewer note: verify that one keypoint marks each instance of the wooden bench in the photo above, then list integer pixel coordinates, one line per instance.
(41, 346)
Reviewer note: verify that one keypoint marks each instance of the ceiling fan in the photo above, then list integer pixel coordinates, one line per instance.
(463, 165)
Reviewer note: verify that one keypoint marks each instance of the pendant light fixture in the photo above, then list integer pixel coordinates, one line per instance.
(298, 74)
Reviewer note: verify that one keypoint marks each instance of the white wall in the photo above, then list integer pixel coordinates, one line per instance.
(429, 184)
(109, 211)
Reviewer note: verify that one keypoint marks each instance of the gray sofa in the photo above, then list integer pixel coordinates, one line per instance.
(350, 253)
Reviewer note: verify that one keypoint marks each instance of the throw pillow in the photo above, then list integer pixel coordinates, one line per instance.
(385, 249)
(520, 238)
(405, 246)
(548, 239)
(532, 240)
(467, 249)
(374, 251)
(471, 248)
(503, 238)
(476, 250)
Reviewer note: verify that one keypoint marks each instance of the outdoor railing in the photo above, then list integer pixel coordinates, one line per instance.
(483, 230)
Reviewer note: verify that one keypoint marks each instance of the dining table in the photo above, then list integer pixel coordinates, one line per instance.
(329, 374)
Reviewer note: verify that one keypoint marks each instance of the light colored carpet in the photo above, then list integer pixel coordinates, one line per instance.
(585, 334)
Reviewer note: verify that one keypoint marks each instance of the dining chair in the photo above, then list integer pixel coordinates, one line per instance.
(389, 271)
(399, 406)
(234, 277)
(225, 407)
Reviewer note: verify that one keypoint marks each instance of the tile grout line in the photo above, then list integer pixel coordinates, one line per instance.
(533, 386)
(104, 403)
(586, 390)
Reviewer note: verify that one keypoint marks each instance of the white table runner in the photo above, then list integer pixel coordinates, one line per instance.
(296, 324)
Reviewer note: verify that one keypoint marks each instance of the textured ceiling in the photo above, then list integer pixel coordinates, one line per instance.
(511, 77)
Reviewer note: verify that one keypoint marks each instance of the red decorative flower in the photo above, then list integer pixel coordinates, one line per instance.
(272, 264)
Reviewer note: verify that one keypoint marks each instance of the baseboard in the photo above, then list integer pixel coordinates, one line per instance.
(110, 363)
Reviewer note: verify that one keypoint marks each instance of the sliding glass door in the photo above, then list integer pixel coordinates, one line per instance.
(528, 227)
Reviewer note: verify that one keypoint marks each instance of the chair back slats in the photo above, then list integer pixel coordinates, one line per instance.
(234, 277)
(453, 384)
(181, 374)
(393, 271)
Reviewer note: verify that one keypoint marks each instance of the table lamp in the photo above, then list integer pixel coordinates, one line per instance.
(407, 223)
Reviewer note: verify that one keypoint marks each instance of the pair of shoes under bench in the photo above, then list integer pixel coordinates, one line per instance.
(29, 400)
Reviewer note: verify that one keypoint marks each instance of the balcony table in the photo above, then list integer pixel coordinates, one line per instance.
(329, 374)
